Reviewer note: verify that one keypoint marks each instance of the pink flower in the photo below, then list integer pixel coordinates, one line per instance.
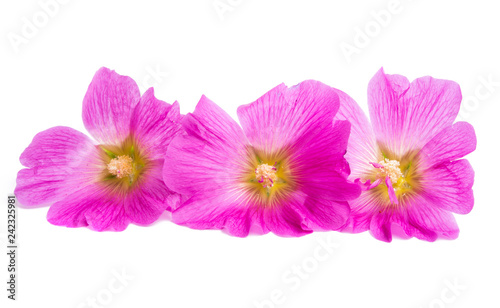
(112, 183)
(409, 158)
(283, 171)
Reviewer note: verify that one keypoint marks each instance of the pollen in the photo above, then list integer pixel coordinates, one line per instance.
(391, 169)
(266, 175)
(121, 166)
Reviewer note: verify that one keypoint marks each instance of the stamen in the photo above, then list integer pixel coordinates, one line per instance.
(389, 168)
(121, 166)
(266, 175)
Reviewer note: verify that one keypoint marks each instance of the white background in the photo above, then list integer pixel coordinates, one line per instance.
(234, 60)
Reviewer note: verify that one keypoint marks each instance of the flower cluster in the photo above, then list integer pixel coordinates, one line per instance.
(302, 159)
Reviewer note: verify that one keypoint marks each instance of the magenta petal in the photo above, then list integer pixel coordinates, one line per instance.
(284, 220)
(451, 143)
(288, 116)
(320, 166)
(92, 206)
(362, 147)
(406, 116)
(380, 226)
(431, 222)
(449, 186)
(210, 157)
(323, 215)
(215, 210)
(154, 124)
(60, 160)
(108, 106)
(151, 197)
(362, 211)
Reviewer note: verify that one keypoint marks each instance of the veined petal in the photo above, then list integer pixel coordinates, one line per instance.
(216, 210)
(449, 186)
(319, 166)
(323, 215)
(108, 106)
(94, 206)
(151, 197)
(288, 116)
(60, 160)
(210, 156)
(285, 219)
(362, 147)
(206, 164)
(406, 116)
(154, 124)
(451, 143)
(430, 221)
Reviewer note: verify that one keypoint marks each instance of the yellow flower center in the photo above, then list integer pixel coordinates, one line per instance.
(122, 166)
(391, 169)
(266, 175)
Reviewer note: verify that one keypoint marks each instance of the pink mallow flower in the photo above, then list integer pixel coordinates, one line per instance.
(111, 183)
(408, 159)
(283, 171)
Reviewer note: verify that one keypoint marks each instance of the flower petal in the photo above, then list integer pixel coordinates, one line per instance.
(451, 143)
(323, 215)
(94, 206)
(60, 160)
(154, 124)
(206, 165)
(430, 221)
(406, 116)
(319, 165)
(361, 147)
(209, 157)
(288, 116)
(449, 186)
(151, 197)
(284, 219)
(215, 210)
(108, 106)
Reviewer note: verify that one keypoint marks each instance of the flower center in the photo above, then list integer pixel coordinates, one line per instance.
(266, 175)
(121, 166)
(390, 168)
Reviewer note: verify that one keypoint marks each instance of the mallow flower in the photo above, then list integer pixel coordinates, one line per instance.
(282, 171)
(408, 158)
(110, 182)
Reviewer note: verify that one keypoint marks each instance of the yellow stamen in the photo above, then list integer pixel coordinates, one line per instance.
(121, 166)
(391, 169)
(266, 175)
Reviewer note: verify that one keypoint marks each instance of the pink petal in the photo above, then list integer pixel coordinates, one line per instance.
(60, 160)
(151, 197)
(288, 116)
(451, 143)
(362, 211)
(430, 221)
(449, 186)
(94, 206)
(215, 210)
(362, 147)
(406, 116)
(154, 124)
(285, 220)
(319, 214)
(210, 157)
(108, 106)
(320, 167)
